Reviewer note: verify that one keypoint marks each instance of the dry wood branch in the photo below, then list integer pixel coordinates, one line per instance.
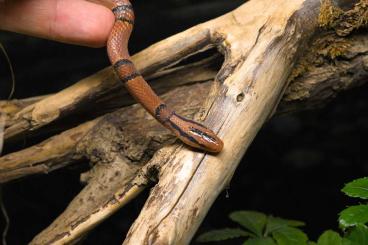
(261, 44)
(39, 159)
(52, 107)
(10, 107)
(87, 90)
(49, 155)
(331, 64)
(103, 85)
(259, 67)
(161, 81)
(118, 146)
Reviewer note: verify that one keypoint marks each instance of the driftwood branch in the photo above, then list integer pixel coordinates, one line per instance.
(315, 80)
(260, 45)
(119, 146)
(254, 76)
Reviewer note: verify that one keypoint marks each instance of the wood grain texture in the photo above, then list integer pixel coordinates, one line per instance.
(118, 146)
(259, 68)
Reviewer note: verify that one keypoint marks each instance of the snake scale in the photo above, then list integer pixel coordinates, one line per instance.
(188, 131)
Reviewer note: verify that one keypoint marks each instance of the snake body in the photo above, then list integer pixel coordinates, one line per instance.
(188, 131)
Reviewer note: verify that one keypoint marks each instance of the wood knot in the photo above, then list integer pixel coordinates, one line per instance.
(240, 97)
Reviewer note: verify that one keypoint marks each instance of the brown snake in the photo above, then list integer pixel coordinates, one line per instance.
(188, 131)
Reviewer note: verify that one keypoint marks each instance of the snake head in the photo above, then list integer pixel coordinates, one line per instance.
(195, 134)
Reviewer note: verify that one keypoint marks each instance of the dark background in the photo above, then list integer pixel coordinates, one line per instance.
(294, 169)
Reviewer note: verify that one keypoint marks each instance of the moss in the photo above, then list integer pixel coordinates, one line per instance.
(296, 91)
(343, 22)
(328, 46)
(329, 13)
(299, 70)
(363, 8)
(323, 50)
(333, 47)
(337, 49)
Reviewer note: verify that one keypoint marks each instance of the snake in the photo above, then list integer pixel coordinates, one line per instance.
(188, 131)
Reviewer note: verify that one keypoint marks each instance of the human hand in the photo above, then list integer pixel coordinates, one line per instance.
(69, 21)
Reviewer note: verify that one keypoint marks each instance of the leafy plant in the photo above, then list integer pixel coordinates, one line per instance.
(355, 215)
(260, 229)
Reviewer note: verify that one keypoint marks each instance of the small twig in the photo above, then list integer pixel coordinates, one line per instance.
(2, 205)
(6, 217)
(11, 71)
(2, 126)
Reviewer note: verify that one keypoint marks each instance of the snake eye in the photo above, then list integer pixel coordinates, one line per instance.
(206, 138)
(202, 134)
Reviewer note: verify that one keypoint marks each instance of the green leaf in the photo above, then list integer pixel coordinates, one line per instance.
(312, 243)
(275, 223)
(330, 238)
(222, 234)
(354, 215)
(290, 236)
(345, 241)
(253, 221)
(357, 188)
(295, 223)
(260, 241)
(358, 235)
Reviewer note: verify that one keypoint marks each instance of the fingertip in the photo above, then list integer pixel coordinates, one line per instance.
(82, 23)
(94, 32)
(70, 21)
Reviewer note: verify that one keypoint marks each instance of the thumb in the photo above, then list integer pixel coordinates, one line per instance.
(70, 21)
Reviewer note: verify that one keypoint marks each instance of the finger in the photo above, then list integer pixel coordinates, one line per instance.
(70, 21)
